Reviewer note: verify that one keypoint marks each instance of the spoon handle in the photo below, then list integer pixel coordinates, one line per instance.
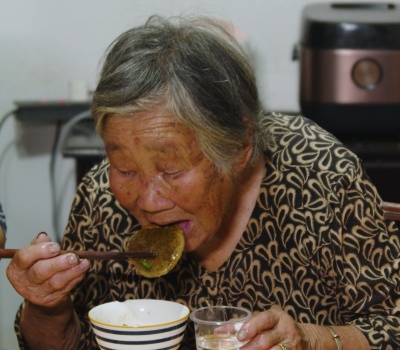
(91, 255)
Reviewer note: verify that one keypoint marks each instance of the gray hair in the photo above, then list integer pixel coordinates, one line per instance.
(194, 69)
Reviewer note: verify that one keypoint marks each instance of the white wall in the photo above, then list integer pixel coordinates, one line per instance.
(46, 43)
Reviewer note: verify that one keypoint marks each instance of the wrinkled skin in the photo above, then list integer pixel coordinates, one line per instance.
(159, 174)
(268, 328)
(42, 276)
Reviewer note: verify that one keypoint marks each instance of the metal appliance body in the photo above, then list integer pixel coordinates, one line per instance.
(350, 67)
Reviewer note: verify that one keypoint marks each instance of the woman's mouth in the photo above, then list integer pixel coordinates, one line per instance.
(185, 226)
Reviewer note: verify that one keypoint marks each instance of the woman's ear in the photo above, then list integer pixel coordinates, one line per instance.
(245, 153)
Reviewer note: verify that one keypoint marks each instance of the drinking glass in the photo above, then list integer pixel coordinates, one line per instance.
(216, 327)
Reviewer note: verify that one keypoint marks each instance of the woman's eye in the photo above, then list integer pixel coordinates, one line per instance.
(128, 173)
(173, 172)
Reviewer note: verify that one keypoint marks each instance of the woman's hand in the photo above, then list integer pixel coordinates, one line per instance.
(42, 276)
(267, 329)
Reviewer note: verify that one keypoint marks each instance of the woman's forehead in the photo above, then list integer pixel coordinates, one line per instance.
(155, 132)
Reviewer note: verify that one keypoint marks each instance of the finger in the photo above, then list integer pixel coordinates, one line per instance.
(263, 340)
(54, 298)
(56, 289)
(260, 322)
(266, 340)
(40, 238)
(27, 256)
(275, 307)
(276, 347)
(61, 265)
(65, 280)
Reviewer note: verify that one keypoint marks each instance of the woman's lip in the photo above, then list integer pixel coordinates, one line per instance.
(184, 225)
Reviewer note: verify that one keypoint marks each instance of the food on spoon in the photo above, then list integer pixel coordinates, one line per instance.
(167, 242)
(145, 264)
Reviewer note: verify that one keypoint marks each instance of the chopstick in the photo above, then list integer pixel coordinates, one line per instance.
(391, 210)
(91, 255)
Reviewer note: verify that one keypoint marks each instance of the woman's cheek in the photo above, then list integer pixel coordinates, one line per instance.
(121, 189)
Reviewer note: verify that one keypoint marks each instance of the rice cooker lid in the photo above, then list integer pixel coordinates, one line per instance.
(351, 26)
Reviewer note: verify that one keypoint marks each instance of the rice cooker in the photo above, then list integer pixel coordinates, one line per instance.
(350, 67)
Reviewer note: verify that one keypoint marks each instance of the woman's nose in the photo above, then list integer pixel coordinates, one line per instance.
(152, 197)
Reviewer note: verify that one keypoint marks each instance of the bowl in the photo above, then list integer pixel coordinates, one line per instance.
(145, 324)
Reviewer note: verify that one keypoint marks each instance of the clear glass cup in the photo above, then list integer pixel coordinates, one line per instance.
(216, 327)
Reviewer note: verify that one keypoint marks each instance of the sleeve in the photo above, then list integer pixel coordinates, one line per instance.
(17, 329)
(367, 252)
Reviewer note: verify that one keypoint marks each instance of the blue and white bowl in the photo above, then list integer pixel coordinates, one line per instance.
(145, 324)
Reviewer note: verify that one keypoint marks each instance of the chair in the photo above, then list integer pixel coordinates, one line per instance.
(391, 211)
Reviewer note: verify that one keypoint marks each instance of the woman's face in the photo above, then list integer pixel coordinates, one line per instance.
(159, 174)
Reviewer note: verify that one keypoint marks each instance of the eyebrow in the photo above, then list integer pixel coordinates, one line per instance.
(112, 146)
(115, 146)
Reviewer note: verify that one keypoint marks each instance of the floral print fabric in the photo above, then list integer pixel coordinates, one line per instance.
(316, 245)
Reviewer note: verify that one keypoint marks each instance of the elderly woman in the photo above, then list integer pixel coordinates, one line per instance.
(278, 216)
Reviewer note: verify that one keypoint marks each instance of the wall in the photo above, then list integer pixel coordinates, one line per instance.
(44, 44)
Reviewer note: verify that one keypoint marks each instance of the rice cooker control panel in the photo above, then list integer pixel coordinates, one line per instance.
(367, 73)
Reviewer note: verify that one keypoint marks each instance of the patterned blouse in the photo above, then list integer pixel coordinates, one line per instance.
(316, 245)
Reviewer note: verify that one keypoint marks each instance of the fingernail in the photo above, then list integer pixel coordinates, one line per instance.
(53, 248)
(84, 264)
(242, 335)
(41, 233)
(72, 259)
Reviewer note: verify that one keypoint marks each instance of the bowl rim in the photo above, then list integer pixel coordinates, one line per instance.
(181, 319)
